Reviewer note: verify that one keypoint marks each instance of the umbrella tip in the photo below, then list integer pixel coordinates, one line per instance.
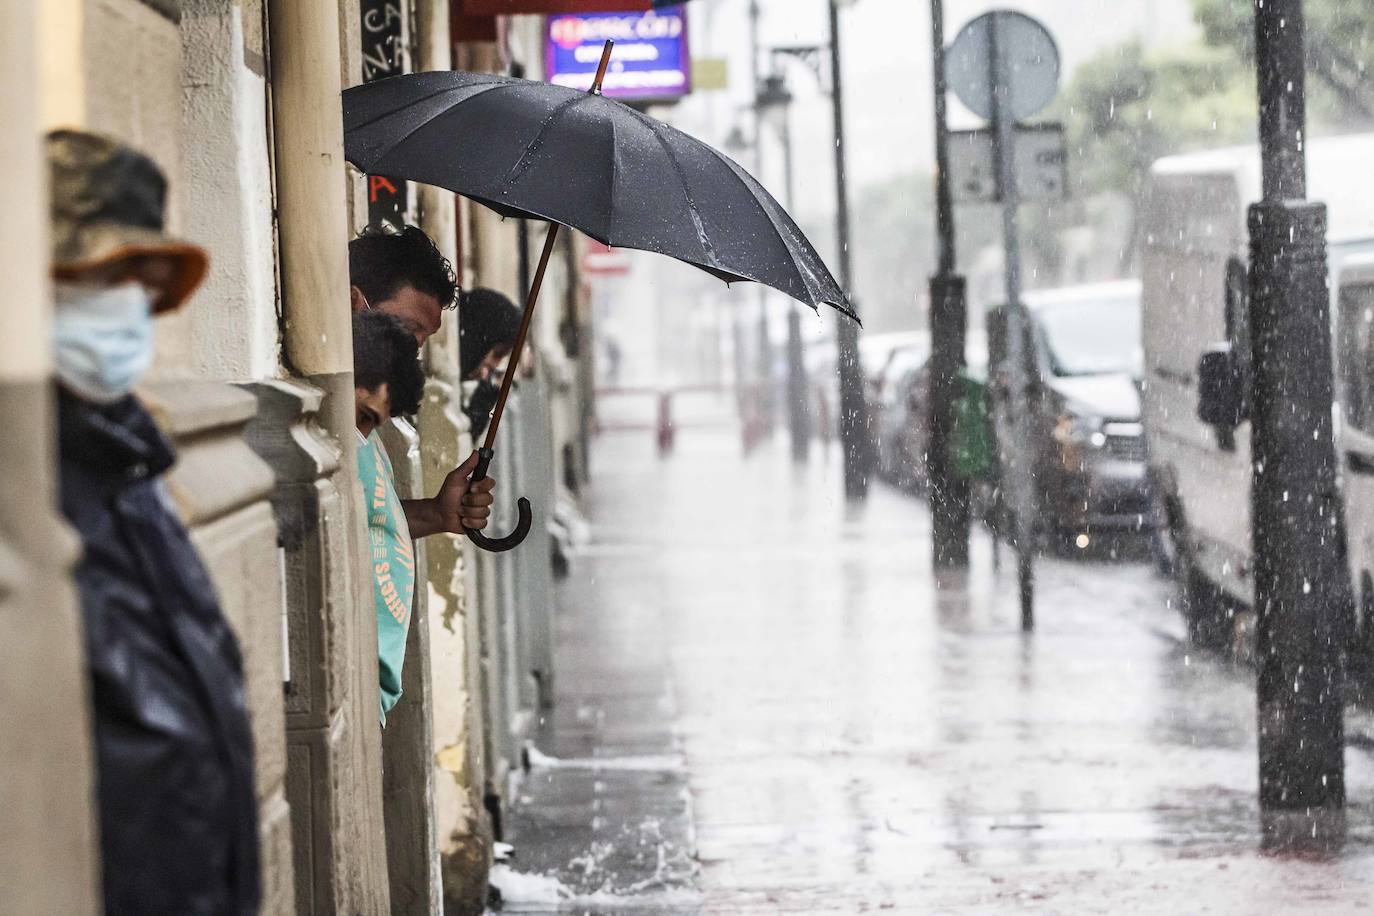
(601, 70)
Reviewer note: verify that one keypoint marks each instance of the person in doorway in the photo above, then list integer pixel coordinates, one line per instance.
(388, 383)
(387, 379)
(488, 323)
(402, 273)
(173, 750)
(402, 276)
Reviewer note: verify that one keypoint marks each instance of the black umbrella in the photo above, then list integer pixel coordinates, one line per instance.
(535, 150)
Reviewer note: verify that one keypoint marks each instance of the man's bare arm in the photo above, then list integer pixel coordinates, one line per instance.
(459, 504)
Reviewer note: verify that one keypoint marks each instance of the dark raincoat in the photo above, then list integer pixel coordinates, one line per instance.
(174, 755)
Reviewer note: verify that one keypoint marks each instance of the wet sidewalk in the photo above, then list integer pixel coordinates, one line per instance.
(765, 705)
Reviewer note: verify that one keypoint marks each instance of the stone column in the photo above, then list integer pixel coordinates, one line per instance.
(492, 260)
(48, 861)
(336, 743)
(227, 188)
(231, 334)
(462, 829)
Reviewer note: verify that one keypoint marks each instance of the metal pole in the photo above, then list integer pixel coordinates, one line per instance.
(765, 368)
(854, 433)
(740, 362)
(1004, 147)
(1302, 586)
(799, 418)
(944, 201)
(949, 495)
(763, 400)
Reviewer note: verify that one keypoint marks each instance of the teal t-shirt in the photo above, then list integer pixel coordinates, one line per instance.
(393, 564)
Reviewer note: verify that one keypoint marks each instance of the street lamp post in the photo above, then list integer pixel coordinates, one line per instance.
(775, 98)
(853, 410)
(1302, 586)
(738, 144)
(763, 401)
(949, 494)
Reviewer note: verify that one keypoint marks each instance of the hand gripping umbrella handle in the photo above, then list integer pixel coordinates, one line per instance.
(522, 526)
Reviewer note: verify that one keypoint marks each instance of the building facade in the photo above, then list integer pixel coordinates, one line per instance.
(238, 101)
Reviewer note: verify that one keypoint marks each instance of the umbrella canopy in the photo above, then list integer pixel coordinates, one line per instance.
(534, 150)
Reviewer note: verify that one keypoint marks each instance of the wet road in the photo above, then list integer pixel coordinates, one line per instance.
(766, 705)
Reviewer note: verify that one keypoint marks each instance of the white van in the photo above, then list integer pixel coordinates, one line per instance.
(1354, 354)
(1195, 252)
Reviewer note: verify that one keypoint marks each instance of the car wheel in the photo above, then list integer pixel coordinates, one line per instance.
(1208, 611)
(1163, 543)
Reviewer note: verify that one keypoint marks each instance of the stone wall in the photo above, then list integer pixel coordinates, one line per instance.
(48, 859)
(221, 490)
(237, 101)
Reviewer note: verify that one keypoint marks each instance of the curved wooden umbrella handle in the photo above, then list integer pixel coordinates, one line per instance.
(522, 525)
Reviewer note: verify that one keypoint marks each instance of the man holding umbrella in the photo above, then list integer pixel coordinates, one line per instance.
(403, 274)
(537, 151)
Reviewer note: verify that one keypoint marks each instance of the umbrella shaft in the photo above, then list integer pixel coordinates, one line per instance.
(513, 363)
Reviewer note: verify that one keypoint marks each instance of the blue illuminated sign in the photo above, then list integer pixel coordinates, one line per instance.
(651, 61)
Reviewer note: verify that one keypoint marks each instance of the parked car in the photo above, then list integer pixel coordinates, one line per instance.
(888, 412)
(901, 428)
(1087, 445)
(822, 371)
(1195, 297)
(877, 350)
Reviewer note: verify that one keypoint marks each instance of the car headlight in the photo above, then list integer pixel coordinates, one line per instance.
(1079, 429)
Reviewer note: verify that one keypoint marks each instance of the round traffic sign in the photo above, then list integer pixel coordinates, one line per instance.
(1029, 58)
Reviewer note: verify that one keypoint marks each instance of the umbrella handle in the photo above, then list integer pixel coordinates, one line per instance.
(522, 506)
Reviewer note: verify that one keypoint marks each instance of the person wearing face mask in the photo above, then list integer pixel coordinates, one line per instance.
(402, 276)
(402, 273)
(487, 326)
(173, 751)
(387, 383)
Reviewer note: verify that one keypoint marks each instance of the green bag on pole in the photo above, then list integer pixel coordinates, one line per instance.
(974, 443)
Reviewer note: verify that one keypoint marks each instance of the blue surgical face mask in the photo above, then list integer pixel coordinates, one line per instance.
(103, 337)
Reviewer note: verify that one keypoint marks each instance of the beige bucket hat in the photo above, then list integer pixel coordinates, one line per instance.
(108, 203)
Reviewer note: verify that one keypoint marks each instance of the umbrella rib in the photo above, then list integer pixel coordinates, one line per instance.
(533, 146)
(773, 224)
(413, 102)
(423, 124)
(615, 175)
(655, 127)
(736, 171)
